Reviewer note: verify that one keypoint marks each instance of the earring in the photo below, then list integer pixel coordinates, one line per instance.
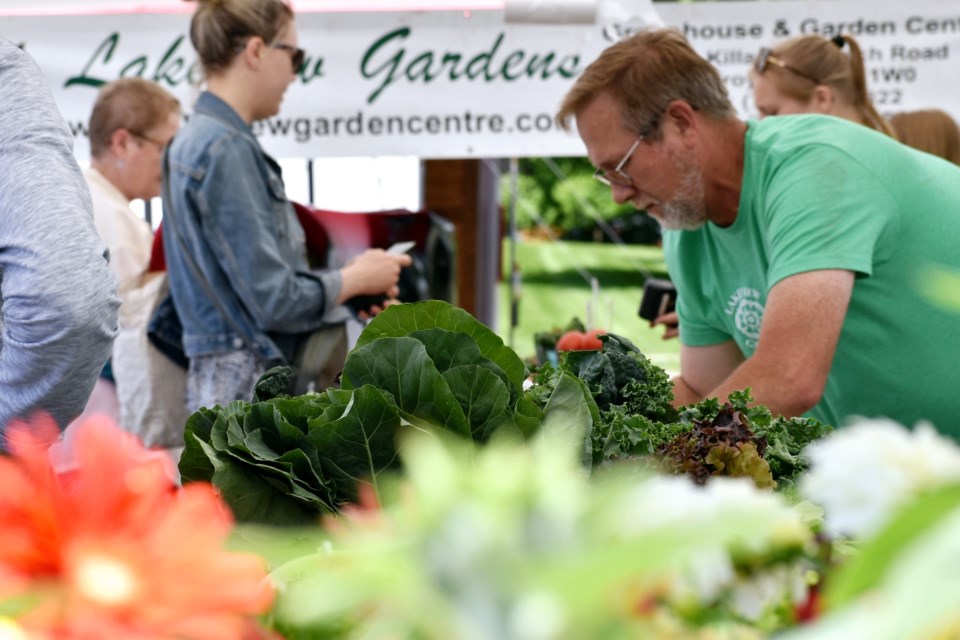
(120, 164)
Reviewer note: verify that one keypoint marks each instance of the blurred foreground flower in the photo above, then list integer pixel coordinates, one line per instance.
(113, 549)
(903, 582)
(515, 542)
(861, 474)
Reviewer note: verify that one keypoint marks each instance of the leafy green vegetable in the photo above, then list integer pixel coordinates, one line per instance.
(632, 395)
(785, 437)
(273, 383)
(483, 397)
(354, 438)
(402, 368)
(404, 319)
(637, 419)
(723, 445)
(567, 411)
(286, 460)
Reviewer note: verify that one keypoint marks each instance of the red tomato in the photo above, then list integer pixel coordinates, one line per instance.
(579, 341)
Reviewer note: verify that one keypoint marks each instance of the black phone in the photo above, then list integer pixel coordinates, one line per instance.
(365, 302)
(659, 297)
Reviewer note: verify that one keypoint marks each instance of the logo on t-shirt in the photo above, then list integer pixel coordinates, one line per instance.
(747, 311)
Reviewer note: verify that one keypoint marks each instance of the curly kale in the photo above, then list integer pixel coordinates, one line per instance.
(622, 434)
(633, 394)
(637, 419)
(619, 374)
(275, 383)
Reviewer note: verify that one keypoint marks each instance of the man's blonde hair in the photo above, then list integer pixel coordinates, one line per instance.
(645, 73)
(134, 104)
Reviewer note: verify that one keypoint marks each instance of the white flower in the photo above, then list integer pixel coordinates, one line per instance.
(752, 595)
(918, 596)
(669, 501)
(734, 517)
(860, 474)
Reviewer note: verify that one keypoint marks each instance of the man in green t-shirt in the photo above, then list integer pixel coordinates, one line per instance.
(803, 247)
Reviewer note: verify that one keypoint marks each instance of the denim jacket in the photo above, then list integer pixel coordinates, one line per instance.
(230, 208)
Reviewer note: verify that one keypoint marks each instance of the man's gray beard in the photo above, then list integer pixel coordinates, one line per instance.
(687, 209)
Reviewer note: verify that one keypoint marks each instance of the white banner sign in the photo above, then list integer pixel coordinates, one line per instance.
(911, 49)
(461, 84)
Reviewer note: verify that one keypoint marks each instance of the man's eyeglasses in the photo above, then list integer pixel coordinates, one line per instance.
(159, 144)
(765, 58)
(617, 176)
(297, 55)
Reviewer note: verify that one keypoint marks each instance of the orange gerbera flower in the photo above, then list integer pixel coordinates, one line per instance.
(115, 550)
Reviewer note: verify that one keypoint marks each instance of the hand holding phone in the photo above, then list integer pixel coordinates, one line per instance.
(363, 303)
(401, 247)
(659, 297)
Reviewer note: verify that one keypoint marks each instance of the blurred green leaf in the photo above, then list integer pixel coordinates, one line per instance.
(868, 568)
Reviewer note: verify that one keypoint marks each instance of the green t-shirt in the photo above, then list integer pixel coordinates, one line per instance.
(822, 193)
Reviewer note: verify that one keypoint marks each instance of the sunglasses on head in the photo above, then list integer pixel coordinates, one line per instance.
(766, 58)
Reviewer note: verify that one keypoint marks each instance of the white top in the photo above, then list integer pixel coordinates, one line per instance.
(127, 235)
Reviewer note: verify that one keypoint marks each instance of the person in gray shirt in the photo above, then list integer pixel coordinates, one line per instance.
(58, 300)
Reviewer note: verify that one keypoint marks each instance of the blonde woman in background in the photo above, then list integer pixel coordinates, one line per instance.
(929, 130)
(813, 74)
(236, 254)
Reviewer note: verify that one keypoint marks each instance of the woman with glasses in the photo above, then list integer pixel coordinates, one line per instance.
(234, 248)
(813, 74)
(131, 123)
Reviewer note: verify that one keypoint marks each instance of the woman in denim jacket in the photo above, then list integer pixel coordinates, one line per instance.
(232, 215)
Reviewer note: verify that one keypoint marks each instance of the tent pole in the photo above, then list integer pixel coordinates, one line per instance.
(514, 267)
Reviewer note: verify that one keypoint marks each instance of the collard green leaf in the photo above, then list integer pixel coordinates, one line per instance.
(253, 499)
(201, 423)
(244, 439)
(449, 349)
(527, 417)
(195, 465)
(299, 410)
(291, 474)
(402, 368)
(235, 411)
(483, 397)
(278, 434)
(301, 461)
(403, 319)
(360, 444)
(261, 446)
(250, 497)
(572, 408)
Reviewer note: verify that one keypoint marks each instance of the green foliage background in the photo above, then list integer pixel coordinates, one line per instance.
(561, 201)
